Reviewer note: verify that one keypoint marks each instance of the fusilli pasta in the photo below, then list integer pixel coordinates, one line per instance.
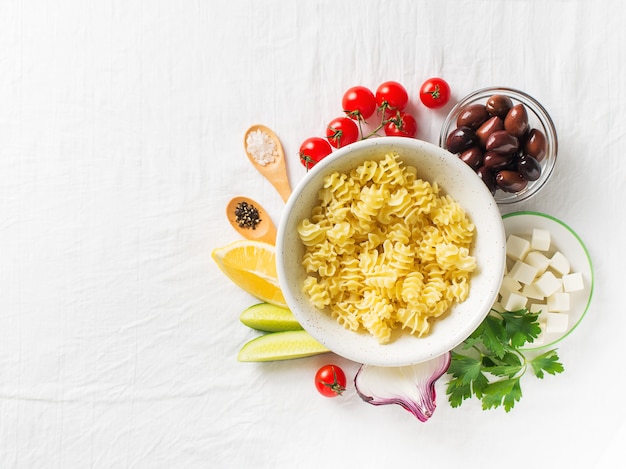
(385, 250)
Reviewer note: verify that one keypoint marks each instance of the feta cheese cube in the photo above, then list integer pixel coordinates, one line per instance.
(556, 322)
(558, 301)
(540, 239)
(517, 247)
(513, 301)
(548, 284)
(509, 284)
(532, 292)
(559, 263)
(523, 272)
(538, 260)
(573, 282)
(537, 308)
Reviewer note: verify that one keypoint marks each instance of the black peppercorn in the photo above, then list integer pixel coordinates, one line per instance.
(247, 215)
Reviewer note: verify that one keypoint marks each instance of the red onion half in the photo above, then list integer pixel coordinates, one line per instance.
(412, 387)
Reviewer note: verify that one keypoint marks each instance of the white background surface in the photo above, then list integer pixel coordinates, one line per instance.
(121, 141)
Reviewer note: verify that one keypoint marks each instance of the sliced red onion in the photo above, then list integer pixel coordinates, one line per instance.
(412, 387)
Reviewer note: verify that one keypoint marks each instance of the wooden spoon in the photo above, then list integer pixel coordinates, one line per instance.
(265, 230)
(275, 172)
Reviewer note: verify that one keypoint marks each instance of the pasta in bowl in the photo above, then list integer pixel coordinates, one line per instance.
(390, 251)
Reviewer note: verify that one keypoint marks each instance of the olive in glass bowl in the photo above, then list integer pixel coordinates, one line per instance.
(506, 137)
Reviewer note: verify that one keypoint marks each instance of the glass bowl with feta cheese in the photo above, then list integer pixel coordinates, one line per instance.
(548, 271)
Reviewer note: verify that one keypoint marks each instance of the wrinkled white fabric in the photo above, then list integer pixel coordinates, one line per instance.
(121, 141)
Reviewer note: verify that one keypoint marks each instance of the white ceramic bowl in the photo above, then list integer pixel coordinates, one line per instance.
(456, 179)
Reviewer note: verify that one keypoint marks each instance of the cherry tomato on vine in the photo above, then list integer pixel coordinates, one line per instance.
(342, 131)
(330, 381)
(359, 103)
(435, 93)
(313, 150)
(402, 124)
(391, 96)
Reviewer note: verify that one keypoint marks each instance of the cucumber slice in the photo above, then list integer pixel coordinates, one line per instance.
(269, 318)
(280, 346)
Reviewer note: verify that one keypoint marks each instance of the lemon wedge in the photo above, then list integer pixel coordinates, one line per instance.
(252, 266)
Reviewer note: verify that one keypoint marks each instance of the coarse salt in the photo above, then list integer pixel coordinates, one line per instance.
(261, 147)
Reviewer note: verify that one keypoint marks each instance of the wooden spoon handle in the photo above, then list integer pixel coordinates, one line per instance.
(281, 183)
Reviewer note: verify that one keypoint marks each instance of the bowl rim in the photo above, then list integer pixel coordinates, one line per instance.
(540, 112)
(490, 276)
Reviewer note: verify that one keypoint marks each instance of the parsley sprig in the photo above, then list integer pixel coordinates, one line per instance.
(494, 364)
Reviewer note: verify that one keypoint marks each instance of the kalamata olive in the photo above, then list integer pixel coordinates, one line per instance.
(535, 145)
(460, 139)
(501, 141)
(473, 157)
(510, 181)
(496, 161)
(488, 127)
(472, 116)
(516, 121)
(499, 105)
(529, 167)
(488, 178)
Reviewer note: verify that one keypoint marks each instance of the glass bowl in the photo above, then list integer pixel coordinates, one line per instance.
(538, 118)
(566, 241)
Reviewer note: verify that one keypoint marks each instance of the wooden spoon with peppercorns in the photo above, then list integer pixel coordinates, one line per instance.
(266, 154)
(251, 220)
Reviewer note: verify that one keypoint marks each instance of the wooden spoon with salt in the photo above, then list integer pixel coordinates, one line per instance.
(275, 171)
(251, 220)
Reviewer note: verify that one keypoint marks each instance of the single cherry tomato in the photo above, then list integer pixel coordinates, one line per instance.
(359, 103)
(313, 150)
(402, 124)
(330, 381)
(342, 131)
(435, 93)
(391, 96)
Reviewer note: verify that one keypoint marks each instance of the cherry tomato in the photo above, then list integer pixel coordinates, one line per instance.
(330, 381)
(342, 131)
(391, 96)
(435, 93)
(402, 124)
(313, 150)
(359, 103)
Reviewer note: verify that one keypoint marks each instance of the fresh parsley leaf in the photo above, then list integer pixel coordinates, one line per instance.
(521, 326)
(458, 392)
(493, 336)
(494, 364)
(465, 368)
(548, 362)
(510, 365)
(467, 379)
(504, 392)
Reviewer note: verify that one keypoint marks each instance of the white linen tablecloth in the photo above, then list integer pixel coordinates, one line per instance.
(121, 141)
